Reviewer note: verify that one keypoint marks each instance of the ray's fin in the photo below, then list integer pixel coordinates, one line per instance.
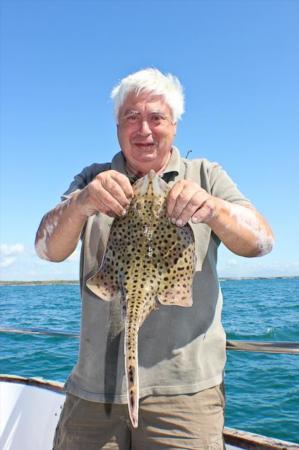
(103, 286)
(175, 287)
(104, 283)
(176, 296)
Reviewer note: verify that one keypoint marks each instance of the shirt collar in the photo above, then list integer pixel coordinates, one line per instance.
(171, 171)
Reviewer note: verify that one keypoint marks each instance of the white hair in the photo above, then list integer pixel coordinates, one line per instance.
(154, 82)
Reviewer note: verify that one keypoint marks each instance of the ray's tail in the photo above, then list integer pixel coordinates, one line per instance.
(131, 368)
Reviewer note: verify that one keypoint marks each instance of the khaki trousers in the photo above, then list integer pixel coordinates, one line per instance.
(192, 421)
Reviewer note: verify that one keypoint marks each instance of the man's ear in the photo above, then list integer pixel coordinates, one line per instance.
(175, 128)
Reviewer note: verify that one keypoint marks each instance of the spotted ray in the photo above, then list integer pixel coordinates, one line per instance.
(147, 260)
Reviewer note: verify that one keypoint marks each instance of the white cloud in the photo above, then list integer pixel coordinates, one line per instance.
(7, 261)
(9, 254)
(11, 250)
(21, 263)
(257, 267)
(276, 264)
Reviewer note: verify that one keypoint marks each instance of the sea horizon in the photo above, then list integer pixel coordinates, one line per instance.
(75, 282)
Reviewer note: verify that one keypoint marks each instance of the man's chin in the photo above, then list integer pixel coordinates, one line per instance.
(146, 156)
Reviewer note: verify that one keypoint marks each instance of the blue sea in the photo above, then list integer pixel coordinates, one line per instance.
(262, 390)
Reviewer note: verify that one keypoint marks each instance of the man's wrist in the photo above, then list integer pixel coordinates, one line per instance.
(214, 206)
(80, 202)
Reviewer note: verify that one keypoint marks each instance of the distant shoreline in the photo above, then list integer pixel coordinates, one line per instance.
(39, 283)
(76, 282)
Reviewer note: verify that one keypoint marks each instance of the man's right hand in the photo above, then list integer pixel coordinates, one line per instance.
(110, 193)
(60, 229)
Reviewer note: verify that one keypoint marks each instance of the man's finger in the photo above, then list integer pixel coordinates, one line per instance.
(190, 208)
(124, 183)
(116, 192)
(107, 203)
(202, 214)
(172, 198)
(183, 204)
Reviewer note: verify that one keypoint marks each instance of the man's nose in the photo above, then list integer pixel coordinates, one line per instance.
(144, 127)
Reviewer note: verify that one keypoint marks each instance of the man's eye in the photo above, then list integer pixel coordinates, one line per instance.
(132, 118)
(156, 118)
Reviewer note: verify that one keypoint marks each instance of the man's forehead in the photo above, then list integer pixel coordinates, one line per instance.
(135, 101)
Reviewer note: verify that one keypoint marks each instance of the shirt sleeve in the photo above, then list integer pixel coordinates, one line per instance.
(222, 186)
(84, 178)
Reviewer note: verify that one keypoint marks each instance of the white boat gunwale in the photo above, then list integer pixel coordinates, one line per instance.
(236, 439)
(42, 383)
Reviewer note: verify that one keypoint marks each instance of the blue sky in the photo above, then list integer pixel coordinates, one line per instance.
(238, 62)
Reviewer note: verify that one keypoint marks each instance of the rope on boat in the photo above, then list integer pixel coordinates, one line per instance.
(291, 348)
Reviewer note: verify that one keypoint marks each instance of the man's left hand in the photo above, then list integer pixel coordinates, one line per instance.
(187, 200)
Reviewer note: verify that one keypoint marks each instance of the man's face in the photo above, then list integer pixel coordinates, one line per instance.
(145, 132)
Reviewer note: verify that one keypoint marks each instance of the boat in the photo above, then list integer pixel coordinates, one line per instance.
(30, 407)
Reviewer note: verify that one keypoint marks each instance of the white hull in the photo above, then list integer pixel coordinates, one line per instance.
(28, 415)
(30, 409)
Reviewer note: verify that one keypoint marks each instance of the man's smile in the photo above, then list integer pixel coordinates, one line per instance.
(145, 145)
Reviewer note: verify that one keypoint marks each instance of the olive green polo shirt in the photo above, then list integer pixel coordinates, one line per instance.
(181, 350)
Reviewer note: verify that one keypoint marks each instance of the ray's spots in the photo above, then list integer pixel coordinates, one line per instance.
(147, 258)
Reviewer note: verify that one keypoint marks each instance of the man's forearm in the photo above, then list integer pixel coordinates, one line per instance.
(242, 229)
(60, 230)
(110, 193)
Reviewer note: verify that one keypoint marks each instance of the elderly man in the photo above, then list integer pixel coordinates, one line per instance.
(182, 350)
